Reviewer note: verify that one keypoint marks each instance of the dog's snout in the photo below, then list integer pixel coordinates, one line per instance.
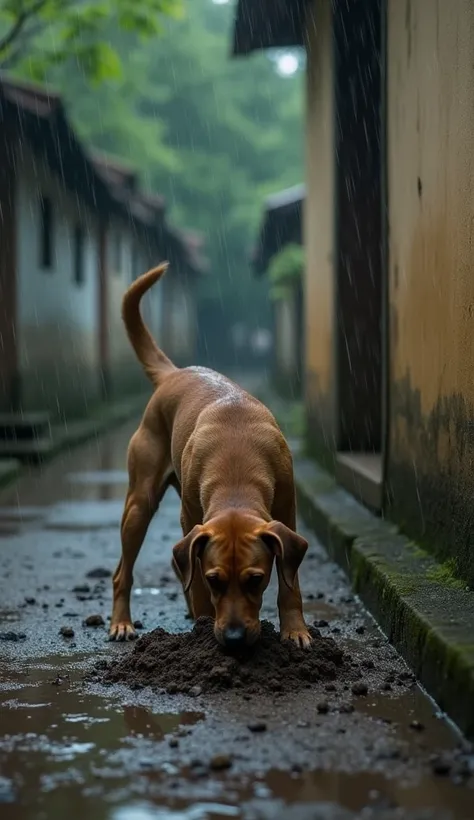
(234, 636)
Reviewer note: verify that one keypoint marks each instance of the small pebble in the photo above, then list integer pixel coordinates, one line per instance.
(195, 691)
(360, 688)
(320, 624)
(138, 624)
(94, 620)
(173, 743)
(82, 588)
(99, 572)
(440, 766)
(220, 762)
(30, 601)
(67, 632)
(257, 726)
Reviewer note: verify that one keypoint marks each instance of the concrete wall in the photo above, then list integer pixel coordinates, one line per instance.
(179, 319)
(58, 320)
(56, 317)
(287, 328)
(431, 200)
(127, 257)
(319, 218)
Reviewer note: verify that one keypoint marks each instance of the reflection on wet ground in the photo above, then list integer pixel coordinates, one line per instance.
(67, 750)
(103, 756)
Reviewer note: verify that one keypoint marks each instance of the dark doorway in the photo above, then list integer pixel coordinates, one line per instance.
(359, 66)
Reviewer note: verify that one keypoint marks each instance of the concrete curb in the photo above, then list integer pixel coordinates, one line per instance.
(425, 611)
(110, 415)
(67, 436)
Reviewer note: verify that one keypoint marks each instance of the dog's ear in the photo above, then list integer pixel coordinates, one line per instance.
(288, 547)
(187, 551)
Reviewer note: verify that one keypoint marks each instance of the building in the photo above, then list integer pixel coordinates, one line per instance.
(282, 225)
(75, 231)
(388, 229)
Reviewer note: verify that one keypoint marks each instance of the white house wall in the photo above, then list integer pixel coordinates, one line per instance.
(57, 318)
(125, 372)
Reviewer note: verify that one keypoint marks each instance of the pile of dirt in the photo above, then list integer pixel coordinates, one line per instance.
(193, 662)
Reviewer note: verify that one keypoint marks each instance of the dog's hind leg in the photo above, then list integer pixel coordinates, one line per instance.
(149, 477)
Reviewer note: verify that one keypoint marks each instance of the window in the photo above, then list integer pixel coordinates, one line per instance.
(134, 264)
(118, 253)
(46, 232)
(78, 251)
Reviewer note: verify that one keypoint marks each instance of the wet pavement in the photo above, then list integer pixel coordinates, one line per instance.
(76, 750)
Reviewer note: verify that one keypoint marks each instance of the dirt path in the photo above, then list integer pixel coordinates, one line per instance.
(73, 751)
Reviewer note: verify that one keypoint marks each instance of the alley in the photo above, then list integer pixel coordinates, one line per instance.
(70, 749)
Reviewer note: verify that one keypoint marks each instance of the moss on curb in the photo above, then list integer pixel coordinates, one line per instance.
(426, 612)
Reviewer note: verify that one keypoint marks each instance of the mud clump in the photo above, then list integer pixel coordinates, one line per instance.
(180, 663)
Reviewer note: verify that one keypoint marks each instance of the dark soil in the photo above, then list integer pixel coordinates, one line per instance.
(194, 662)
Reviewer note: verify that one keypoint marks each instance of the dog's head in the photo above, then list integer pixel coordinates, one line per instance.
(236, 553)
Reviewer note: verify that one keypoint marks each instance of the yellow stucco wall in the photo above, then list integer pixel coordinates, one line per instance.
(319, 225)
(431, 270)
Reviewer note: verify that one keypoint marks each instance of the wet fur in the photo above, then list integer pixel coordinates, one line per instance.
(223, 452)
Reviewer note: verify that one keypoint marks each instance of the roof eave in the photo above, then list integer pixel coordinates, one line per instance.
(264, 24)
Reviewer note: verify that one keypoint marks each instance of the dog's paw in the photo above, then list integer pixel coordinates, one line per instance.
(123, 631)
(300, 637)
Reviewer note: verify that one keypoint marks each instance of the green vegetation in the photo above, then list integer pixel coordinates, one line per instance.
(286, 269)
(445, 574)
(40, 34)
(214, 135)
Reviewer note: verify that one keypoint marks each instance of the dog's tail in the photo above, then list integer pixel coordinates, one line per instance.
(154, 362)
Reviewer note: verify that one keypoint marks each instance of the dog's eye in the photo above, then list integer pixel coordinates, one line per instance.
(254, 582)
(216, 583)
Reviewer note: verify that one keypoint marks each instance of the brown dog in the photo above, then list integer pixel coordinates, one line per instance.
(223, 452)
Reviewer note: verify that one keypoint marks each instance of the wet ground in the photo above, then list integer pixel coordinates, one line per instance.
(76, 750)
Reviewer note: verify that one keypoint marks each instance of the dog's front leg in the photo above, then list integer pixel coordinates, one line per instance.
(290, 608)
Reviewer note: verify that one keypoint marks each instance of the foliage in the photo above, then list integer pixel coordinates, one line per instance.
(286, 269)
(45, 33)
(214, 135)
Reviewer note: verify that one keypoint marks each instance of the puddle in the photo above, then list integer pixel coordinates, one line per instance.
(84, 515)
(199, 811)
(356, 791)
(320, 610)
(139, 591)
(58, 736)
(402, 710)
(65, 750)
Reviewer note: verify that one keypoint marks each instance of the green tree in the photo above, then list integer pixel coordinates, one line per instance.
(215, 135)
(46, 33)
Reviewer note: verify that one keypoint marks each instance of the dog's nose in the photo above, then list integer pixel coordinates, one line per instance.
(234, 636)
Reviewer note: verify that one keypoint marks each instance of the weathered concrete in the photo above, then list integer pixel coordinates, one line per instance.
(424, 609)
